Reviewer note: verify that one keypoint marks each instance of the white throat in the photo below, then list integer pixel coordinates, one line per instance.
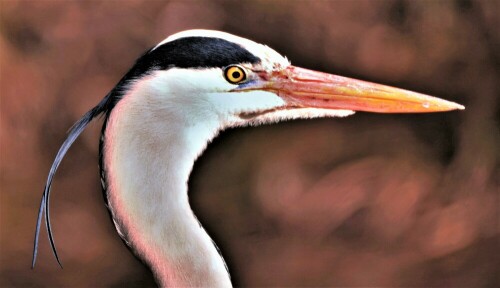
(150, 147)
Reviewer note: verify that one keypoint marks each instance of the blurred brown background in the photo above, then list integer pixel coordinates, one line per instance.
(369, 200)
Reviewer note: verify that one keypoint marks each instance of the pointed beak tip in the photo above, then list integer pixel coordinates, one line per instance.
(452, 106)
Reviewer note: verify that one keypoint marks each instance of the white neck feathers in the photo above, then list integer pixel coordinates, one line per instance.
(150, 147)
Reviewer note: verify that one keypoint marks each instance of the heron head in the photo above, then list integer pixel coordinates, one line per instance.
(238, 81)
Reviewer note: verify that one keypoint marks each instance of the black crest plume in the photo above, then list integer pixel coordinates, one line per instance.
(75, 131)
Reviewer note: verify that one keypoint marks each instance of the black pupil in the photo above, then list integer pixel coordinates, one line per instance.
(236, 74)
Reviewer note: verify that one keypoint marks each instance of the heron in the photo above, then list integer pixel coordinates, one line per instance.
(163, 113)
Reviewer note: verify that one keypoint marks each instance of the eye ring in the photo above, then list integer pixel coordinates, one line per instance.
(235, 74)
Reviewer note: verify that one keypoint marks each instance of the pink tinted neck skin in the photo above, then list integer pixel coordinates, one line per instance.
(149, 150)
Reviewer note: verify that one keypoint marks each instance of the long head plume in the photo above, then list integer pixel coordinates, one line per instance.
(103, 107)
(74, 132)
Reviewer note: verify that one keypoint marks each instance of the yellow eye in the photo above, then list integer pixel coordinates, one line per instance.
(235, 74)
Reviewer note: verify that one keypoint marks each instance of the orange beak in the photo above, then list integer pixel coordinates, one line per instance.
(301, 87)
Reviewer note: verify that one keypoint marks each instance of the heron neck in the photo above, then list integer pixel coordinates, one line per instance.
(149, 150)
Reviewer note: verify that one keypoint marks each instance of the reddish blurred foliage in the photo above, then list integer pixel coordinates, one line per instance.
(369, 200)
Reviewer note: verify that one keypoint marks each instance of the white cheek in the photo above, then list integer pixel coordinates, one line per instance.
(205, 91)
(178, 96)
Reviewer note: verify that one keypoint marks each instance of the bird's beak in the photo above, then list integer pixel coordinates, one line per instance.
(301, 87)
